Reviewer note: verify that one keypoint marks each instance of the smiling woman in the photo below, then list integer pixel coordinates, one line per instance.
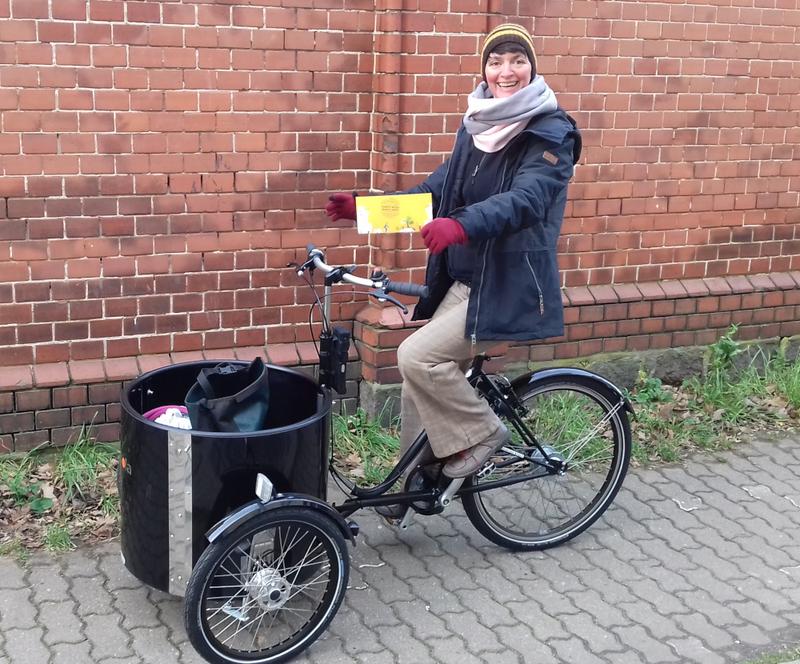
(508, 72)
(508, 60)
(492, 273)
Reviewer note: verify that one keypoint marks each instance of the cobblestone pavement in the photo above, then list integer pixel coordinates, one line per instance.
(697, 563)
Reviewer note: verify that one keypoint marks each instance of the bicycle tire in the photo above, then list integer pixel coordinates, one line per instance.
(243, 580)
(583, 422)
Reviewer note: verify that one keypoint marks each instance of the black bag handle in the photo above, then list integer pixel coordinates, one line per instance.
(205, 384)
(225, 368)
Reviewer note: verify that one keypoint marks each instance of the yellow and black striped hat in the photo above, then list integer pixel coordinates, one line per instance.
(508, 32)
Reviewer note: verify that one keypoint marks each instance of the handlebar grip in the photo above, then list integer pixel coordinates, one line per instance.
(309, 248)
(406, 289)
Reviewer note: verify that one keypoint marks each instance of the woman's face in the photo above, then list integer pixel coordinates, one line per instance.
(507, 73)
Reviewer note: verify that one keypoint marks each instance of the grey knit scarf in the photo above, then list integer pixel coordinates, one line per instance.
(485, 111)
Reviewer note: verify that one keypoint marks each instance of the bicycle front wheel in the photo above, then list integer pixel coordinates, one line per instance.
(577, 421)
(268, 590)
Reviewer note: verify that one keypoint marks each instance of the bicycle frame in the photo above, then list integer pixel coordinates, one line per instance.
(375, 496)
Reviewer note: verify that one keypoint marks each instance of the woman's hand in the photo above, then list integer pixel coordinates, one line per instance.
(441, 233)
(341, 206)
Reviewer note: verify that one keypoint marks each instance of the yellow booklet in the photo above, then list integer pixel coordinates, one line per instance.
(395, 213)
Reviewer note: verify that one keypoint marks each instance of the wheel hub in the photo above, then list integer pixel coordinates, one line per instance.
(268, 588)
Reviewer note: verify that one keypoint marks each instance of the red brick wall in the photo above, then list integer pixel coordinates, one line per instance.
(162, 161)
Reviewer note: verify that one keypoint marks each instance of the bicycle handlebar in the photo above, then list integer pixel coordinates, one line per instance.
(317, 256)
(406, 288)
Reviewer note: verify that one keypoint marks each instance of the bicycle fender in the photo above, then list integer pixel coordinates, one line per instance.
(572, 372)
(281, 501)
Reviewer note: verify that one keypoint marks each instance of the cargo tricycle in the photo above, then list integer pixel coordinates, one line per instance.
(239, 523)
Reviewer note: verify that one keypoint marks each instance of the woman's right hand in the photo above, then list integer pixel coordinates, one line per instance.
(341, 206)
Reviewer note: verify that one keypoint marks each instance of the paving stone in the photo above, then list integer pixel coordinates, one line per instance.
(574, 650)
(12, 575)
(521, 639)
(492, 612)
(452, 650)
(660, 626)
(109, 640)
(652, 650)
(81, 566)
(61, 623)
(152, 646)
(475, 636)
(25, 646)
(717, 613)
(755, 614)
(699, 626)
(597, 639)
(693, 650)
(605, 614)
(71, 652)
(90, 596)
(16, 609)
(136, 608)
(115, 573)
(48, 584)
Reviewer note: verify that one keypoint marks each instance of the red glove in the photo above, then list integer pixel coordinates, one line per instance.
(441, 233)
(341, 206)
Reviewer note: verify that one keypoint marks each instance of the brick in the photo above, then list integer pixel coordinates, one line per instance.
(47, 419)
(69, 396)
(15, 378)
(14, 422)
(6, 402)
(32, 399)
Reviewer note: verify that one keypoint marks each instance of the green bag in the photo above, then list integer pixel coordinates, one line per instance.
(230, 398)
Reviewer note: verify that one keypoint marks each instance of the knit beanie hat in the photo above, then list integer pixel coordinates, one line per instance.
(508, 32)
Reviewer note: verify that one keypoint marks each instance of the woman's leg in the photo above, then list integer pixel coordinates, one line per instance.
(435, 394)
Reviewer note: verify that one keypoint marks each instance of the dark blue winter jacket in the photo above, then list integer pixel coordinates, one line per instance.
(516, 288)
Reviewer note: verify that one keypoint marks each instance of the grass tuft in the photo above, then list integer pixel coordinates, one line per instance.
(714, 411)
(783, 657)
(57, 538)
(364, 450)
(80, 464)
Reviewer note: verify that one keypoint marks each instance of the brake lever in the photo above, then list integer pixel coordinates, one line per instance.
(381, 295)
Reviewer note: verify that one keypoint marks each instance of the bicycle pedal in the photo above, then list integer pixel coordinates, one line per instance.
(487, 469)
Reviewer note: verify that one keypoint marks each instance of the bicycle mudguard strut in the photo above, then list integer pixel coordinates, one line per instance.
(601, 383)
(282, 500)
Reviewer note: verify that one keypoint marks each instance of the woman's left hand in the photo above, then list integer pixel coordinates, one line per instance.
(441, 233)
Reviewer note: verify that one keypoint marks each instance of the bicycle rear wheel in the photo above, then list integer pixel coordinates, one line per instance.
(576, 420)
(268, 590)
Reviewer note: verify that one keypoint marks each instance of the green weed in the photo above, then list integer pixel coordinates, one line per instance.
(363, 448)
(710, 412)
(777, 658)
(80, 464)
(57, 538)
(17, 481)
(14, 548)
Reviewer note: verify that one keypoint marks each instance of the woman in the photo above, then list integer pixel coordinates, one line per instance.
(492, 272)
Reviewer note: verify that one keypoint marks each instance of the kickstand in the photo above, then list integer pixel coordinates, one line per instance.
(408, 517)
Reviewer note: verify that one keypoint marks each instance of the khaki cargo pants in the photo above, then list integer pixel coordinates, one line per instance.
(435, 395)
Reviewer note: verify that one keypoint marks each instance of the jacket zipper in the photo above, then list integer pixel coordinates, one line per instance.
(483, 267)
(538, 287)
(480, 292)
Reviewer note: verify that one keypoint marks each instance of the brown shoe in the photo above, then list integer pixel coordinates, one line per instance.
(470, 460)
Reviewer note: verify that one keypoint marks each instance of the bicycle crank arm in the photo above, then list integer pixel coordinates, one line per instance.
(452, 489)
